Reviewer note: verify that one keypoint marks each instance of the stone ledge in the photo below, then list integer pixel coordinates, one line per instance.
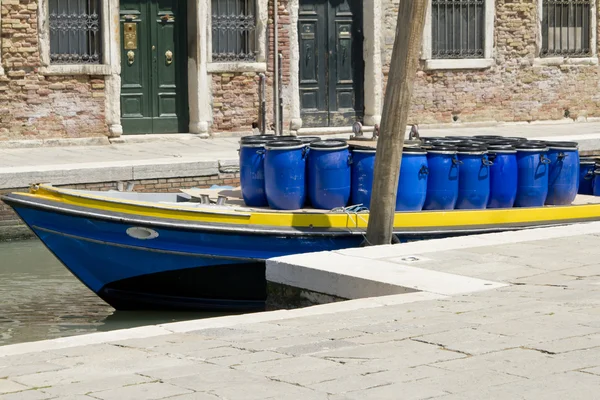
(58, 142)
(220, 67)
(476, 63)
(70, 174)
(76, 70)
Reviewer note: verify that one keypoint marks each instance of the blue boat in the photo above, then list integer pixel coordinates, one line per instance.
(174, 251)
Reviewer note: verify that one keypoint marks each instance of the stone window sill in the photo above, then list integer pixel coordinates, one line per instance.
(466, 63)
(76, 70)
(237, 67)
(565, 61)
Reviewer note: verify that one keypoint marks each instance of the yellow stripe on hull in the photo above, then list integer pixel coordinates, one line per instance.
(303, 219)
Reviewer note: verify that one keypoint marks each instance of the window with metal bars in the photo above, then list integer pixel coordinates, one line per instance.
(75, 32)
(566, 28)
(458, 29)
(233, 30)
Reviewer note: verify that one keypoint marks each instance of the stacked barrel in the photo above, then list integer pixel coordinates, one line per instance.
(442, 173)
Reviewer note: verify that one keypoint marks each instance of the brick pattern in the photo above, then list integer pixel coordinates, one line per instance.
(513, 89)
(163, 185)
(235, 101)
(37, 106)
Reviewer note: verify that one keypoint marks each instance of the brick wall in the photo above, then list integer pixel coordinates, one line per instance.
(11, 227)
(235, 101)
(513, 89)
(37, 106)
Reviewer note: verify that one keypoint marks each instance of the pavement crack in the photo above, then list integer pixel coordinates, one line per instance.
(539, 350)
(443, 346)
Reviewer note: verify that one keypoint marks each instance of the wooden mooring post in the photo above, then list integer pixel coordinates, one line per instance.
(403, 69)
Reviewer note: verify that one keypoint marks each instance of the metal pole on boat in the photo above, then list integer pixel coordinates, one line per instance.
(403, 69)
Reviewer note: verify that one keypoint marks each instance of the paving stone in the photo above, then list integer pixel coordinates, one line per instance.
(474, 341)
(91, 384)
(249, 358)
(285, 366)
(349, 383)
(404, 391)
(457, 382)
(217, 378)
(144, 391)
(27, 369)
(31, 394)
(195, 396)
(270, 389)
(315, 348)
(8, 386)
(569, 344)
(310, 377)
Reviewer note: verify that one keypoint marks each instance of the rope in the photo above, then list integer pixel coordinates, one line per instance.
(355, 209)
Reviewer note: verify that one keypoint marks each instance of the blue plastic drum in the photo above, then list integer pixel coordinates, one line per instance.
(503, 175)
(285, 174)
(363, 166)
(442, 181)
(586, 176)
(532, 181)
(252, 172)
(412, 182)
(329, 174)
(474, 177)
(563, 173)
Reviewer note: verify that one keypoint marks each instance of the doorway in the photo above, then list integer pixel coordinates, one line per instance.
(154, 96)
(331, 62)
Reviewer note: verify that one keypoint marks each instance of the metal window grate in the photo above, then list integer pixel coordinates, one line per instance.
(458, 28)
(75, 32)
(566, 28)
(233, 30)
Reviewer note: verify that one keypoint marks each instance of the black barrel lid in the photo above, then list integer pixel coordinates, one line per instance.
(562, 144)
(501, 147)
(487, 137)
(283, 143)
(329, 144)
(531, 145)
(308, 139)
(442, 147)
(360, 147)
(414, 150)
(470, 147)
(431, 138)
(255, 138)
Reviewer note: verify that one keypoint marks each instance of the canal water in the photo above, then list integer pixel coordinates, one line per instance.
(40, 299)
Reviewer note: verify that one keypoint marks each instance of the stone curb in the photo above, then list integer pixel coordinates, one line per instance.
(69, 174)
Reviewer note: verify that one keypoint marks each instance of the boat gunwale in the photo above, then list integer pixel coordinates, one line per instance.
(265, 230)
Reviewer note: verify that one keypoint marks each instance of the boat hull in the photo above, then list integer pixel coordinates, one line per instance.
(178, 269)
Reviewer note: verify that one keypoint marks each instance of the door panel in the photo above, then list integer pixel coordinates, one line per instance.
(331, 62)
(154, 86)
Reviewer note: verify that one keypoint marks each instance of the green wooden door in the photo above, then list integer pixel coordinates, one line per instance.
(153, 66)
(331, 62)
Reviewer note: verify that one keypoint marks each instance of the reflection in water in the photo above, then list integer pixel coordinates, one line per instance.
(40, 299)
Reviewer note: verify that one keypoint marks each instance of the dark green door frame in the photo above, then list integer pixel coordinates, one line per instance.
(154, 96)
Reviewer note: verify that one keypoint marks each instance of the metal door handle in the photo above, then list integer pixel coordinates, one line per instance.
(307, 52)
(169, 57)
(130, 57)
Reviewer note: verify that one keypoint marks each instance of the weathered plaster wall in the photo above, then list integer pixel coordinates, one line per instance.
(36, 106)
(515, 88)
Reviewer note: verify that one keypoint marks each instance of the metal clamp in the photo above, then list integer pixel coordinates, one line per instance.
(424, 170)
(456, 161)
(544, 159)
(486, 162)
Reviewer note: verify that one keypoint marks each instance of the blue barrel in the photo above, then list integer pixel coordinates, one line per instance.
(532, 180)
(329, 174)
(442, 181)
(285, 174)
(412, 182)
(473, 176)
(596, 183)
(586, 176)
(252, 171)
(503, 175)
(363, 165)
(563, 173)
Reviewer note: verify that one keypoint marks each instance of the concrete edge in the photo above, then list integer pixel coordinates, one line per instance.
(57, 142)
(69, 174)
(210, 323)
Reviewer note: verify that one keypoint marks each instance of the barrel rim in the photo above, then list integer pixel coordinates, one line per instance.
(563, 145)
(308, 139)
(502, 148)
(441, 147)
(256, 144)
(330, 144)
(532, 146)
(250, 138)
(414, 150)
(284, 145)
